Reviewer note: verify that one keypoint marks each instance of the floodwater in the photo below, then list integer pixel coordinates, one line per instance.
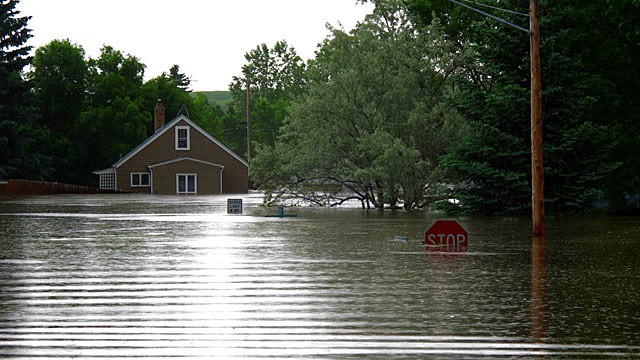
(133, 276)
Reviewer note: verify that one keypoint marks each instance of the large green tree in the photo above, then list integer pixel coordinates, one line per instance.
(115, 119)
(276, 76)
(165, 88)
(373, 124)
(59, 77)
(19, 156)
(177, 100)
(606, 48)
(491, 165)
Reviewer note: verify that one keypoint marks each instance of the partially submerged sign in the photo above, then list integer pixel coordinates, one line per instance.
(234, 206)
(446, 236)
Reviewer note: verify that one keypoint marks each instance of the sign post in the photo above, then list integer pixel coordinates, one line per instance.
(446, 236)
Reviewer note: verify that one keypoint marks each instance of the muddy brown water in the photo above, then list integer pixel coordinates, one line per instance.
(131, 276)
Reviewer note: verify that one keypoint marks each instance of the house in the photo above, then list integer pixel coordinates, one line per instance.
(179, 158)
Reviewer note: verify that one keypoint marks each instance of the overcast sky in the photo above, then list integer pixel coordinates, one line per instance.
(207, 38)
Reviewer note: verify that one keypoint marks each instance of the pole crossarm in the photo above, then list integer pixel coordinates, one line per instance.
(492, 16)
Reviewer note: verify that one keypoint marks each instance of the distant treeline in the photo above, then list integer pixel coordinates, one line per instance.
(422, 100)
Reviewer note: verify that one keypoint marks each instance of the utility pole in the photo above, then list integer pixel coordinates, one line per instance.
(249, 121)
(537, 173)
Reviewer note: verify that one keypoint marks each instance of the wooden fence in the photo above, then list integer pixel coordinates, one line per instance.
(32, 187)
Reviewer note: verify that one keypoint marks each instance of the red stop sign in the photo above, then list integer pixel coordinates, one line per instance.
(446, 235)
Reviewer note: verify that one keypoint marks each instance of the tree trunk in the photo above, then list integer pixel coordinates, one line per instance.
(380, 195)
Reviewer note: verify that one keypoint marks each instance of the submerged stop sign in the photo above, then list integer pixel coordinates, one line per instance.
(446, 235)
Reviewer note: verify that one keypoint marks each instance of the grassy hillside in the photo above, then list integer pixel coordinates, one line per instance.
(221, 98)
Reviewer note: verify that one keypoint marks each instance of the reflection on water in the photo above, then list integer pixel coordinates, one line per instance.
(537, 288)
(142, 276)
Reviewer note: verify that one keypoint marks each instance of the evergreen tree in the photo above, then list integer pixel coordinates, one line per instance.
(492, 164)
(182, 80)
(18, 134)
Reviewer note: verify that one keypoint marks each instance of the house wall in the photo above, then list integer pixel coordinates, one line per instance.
(235, 175)
(208, 177)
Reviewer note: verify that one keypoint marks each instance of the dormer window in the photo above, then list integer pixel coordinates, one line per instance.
(182, 138)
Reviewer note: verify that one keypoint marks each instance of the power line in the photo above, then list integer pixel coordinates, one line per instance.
(492, 16)
(496, 8)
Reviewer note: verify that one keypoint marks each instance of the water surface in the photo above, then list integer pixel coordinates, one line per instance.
(136, 276)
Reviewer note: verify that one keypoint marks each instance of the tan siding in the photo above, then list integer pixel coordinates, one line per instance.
(235, 176)
(208, 177)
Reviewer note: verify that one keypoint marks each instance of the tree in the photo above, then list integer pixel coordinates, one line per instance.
(373, 124)
(173, 97)
(182, 81)
(206, 115)
(114, 74)
(59, 77)
(276, 76)
(606, 47)
(492, 164)
(115, 119)
(18, 134)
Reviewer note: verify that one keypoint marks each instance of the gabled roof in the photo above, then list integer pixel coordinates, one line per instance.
(166, 128)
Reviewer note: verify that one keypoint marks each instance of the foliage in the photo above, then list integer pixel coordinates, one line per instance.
(206, 115)
(18, 133)
(276, 77)
(422, 93)
(373, 125)
(606, 47)
(492, 164)
(173, 97)
(219, 98)
(114, 120)
(183, 82)
(95, 111)
(60, 76)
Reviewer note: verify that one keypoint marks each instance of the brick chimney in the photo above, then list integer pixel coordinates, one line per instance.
(158, 115)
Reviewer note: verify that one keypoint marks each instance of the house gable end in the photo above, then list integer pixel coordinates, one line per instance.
(171, 126)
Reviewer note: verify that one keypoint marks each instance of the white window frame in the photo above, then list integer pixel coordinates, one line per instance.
(177, 143)
(140, 175)
(186, 176)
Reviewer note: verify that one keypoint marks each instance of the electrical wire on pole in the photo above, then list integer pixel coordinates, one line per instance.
(537, 169)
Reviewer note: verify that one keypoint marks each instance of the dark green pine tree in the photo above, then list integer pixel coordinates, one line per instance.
(18, 134)
(182, 80)
(492, 163)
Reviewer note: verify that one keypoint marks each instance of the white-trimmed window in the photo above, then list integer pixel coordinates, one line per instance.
(186, 183)
(183, 140)
(140, 179)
